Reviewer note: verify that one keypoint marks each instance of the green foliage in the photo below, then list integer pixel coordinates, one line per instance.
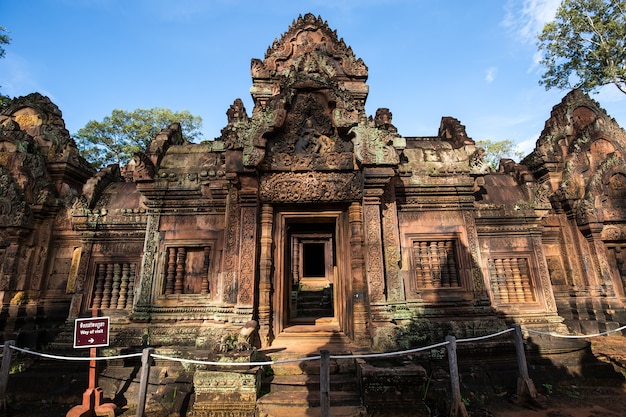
(5, 101)
(548, 388)
(585, 45)
(117, 137)
(494, 151)
(4, 40)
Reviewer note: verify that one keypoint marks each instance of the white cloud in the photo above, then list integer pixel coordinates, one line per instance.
(526, 18)
(490, 74)
(528, 145)
(17, 78)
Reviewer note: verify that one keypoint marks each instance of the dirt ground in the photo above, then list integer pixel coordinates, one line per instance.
(573, 397)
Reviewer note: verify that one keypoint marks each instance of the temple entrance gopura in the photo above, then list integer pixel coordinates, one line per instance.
(313, 220)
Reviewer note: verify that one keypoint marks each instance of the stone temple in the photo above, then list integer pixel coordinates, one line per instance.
(323, 225)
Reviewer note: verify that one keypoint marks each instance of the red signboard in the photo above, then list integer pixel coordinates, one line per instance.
(91, 332)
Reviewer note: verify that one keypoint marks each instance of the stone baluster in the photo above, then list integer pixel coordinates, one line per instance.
(108, 283)
(435, 267)
(454, 276)
(131, 286)
(517, 279)
(427, 265)
(121, 301)
(181, 256)
(526, 285)
(504, 292)
(115, 289)
(443, 262)
(508, 278)
(204, 286)
(495, 285)
(97, 296)
(171, 271)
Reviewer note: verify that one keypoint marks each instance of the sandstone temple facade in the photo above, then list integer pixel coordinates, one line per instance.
(321, 223)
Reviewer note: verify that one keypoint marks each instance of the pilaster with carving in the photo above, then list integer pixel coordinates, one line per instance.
(544, 275)
(231, 256)
(478, 279)
(374, 249)
(597, 249)
(359, 280)
(79, 296)
(247, 250)
(392, 248)
(143, 290)
(265, 275)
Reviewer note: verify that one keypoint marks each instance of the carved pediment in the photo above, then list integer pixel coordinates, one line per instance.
(41, 119)
(14, 210)
(22, 158)
(309, 46)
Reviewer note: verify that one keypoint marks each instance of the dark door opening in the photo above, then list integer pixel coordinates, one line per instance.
(311, 261)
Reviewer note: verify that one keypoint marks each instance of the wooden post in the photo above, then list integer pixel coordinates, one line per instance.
(325, 383)
(457, 408)
(143, 382)
(4, 374)
(526, 390)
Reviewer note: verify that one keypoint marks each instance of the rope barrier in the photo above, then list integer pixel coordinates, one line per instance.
(386, 354)
(564, 336)
(489, 336)
(310, 358)
(198, 362)
(75, 358)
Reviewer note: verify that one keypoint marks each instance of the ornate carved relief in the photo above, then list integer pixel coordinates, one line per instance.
(309, 140)
(151, 247)
(374, 146)
(247, 255)
(374, 252)
(309, 45)
(478, 281)
(544, 275)
(391, 242)
(233, 224)
(14, 211)
(310, 187)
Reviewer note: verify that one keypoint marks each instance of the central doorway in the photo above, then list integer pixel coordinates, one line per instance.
(312, 270)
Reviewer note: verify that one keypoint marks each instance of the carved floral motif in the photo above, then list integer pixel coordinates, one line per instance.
(310, 187)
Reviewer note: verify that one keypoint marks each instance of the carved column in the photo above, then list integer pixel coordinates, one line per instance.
(143, 291)
(231, 255)
(391, 243)
(479, 283)
(81, 276)
(375, 181)
(247, 250)
(604, 284)
(265, 277)
(544, 275)
(359, 284)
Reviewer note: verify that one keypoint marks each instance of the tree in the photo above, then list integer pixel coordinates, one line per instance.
(585, 45)
(494, 151)
(4, 40)
(117, 137)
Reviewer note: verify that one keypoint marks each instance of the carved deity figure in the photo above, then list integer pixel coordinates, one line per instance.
(312, 141)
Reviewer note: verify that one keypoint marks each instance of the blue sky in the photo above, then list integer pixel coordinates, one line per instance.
(473, 60)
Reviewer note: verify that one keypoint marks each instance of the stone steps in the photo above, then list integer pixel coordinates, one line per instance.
(315, 303)
(297, 395)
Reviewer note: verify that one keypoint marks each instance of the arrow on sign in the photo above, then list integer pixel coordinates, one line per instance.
(90, 340)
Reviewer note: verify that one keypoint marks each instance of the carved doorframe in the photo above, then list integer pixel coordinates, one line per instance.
(281, 282)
